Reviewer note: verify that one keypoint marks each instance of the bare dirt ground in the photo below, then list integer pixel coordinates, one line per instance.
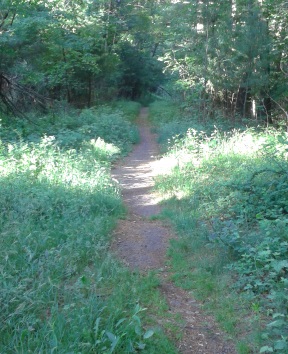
(141, 243)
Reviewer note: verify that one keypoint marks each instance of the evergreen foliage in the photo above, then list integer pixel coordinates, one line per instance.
(229, 56)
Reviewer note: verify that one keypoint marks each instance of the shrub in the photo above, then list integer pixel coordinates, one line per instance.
(60, 288)
(227, 196)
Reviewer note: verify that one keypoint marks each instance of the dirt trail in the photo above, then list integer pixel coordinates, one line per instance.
(142, 243)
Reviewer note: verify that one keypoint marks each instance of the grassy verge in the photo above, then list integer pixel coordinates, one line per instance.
(227, 198)
(61, 290)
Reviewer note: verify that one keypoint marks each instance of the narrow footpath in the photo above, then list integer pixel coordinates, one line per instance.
(141, 243)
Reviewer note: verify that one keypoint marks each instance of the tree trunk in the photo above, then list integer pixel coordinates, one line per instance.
(243, 101)
(267, 104)
(89, 92)
(66, 80)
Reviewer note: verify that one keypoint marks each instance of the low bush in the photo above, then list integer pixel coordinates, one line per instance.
(60, 288)
(227, 196)
(130, 109)
(73, 128)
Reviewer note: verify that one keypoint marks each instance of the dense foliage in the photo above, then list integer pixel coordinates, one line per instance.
(61, 289)
(227, 194)
(79, 51)
(225, 63)
(228, 57)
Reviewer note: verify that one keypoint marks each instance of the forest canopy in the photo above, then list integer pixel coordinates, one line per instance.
(79, 51)
(229, 56)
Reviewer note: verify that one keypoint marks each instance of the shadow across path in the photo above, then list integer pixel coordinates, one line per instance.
(141, 243)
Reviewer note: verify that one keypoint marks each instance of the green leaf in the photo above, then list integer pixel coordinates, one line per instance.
(96, 327)
(141, 346)
(278, 314)
(266, 349)
(280, 344)
(119, 322)
(281, 139)
(137, 319)
(277, 323)
(264, 253)
(279, 265)
(110, 335)
(148, 334)
(138, 330)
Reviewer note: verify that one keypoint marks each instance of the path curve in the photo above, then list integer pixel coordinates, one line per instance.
(141, 243)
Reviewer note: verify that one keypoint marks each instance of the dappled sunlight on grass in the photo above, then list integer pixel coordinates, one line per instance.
(226, 193)
(199, 154)
(60, 287)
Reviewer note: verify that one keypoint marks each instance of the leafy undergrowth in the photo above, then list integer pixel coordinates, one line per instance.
(227, 196)
(72, 128)
(61, 290)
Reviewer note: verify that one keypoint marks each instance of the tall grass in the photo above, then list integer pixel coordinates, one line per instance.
(61, 289)
(227, 197)
(72, 127)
